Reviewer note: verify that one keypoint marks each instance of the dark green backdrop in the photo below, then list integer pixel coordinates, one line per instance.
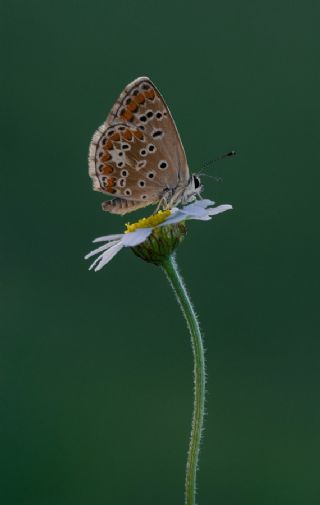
(96, 382)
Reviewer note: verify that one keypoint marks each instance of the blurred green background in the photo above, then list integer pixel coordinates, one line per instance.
(96, 368)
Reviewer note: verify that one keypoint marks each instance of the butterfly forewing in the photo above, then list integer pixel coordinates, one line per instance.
(137, 153)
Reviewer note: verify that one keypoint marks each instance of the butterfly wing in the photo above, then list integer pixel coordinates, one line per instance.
(137, 153)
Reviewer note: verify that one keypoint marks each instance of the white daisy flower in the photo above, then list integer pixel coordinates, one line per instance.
(139, 232)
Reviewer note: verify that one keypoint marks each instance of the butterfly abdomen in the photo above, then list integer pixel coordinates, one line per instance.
(121, 206)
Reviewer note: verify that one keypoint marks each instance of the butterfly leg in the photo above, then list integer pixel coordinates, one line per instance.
(163, 204)
(176, 197)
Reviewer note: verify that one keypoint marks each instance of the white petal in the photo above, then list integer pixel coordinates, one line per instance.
(199, 210)
(174, 218)
(197, 206)
(108, 255)
(108, 237)
(201, 218)
(136, 237)
(194, 211)
(208, 213)
(201, 203)
(99, 258)
(219, 209)
(100, 249)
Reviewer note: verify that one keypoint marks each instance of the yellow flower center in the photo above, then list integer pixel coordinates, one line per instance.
(149, 222)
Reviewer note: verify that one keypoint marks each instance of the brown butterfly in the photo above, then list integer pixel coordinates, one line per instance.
(137, 154)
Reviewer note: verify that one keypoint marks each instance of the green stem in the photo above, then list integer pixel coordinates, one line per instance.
(176, 281)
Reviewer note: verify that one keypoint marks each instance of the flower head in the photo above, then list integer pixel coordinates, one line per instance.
(154, 238)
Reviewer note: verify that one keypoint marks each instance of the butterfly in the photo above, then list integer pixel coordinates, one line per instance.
(137, 155)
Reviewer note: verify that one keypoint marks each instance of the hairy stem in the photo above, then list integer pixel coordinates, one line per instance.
(176, 281)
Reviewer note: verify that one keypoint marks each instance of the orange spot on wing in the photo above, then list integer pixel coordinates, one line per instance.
(127, 115)
(140, 98)
(106, 157)
(150, 94)
(111, 182)
(109, 145)
(132, 106)
(138, 134)
(107, 169)
(127, 135)
(115, 137)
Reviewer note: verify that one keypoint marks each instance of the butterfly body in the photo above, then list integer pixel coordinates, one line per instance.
(137, 155)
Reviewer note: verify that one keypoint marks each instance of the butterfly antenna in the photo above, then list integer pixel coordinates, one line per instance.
(214, 177)
(225, 155)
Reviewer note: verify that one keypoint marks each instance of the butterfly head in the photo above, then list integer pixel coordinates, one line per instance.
(193, 189)
(189, 192)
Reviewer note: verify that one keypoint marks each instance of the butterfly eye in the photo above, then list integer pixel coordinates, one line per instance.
(196, 181)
